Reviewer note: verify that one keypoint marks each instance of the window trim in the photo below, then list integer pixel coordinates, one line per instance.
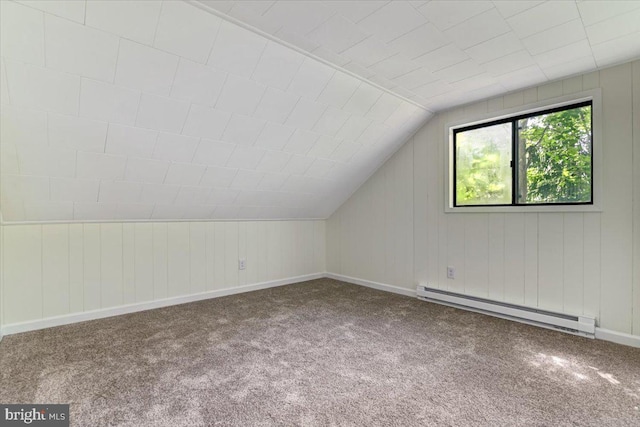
(508, 115)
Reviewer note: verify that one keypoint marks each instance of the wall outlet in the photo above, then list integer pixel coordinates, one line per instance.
(242, 264)
(451, 273)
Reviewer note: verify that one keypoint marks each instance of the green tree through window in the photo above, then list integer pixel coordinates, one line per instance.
(547, 160)
(557, 163)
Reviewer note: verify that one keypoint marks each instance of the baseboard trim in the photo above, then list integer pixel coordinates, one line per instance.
(374, 285)
(601, 334)
(618, 337)
(67, 319)
(33, 325)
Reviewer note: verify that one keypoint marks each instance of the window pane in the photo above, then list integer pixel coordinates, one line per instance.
(483, 166)
(554, 157)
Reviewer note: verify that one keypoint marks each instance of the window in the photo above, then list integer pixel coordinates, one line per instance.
(539, 158)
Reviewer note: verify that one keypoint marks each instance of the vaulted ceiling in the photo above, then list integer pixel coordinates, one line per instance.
(154, 110)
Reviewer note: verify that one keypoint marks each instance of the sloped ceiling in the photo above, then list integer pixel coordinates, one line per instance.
(443, 53)
(154, 110)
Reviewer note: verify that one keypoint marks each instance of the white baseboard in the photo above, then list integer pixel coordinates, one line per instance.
(14, 328)
(602, 334)
(374, 285)
(618, 337)
(66, 319)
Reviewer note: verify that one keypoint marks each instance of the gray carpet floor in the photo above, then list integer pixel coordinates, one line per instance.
(321, 353)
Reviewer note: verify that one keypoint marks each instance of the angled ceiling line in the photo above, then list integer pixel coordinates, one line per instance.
(308, 54)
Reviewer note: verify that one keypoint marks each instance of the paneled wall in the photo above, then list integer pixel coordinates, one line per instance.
(58, 269)
(394, 229)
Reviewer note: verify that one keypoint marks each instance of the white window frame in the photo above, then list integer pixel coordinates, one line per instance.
(595, 96)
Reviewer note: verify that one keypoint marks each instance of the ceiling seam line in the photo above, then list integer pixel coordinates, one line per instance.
(302, 51)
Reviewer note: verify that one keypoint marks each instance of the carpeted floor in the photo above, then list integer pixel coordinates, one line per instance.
(321, 353)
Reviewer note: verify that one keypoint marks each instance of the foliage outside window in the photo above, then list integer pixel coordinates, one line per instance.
(543, 158)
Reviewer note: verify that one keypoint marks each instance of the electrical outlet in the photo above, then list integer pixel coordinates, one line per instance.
(451, 273)
(242, 264)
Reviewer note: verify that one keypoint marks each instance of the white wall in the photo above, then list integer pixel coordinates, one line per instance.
(62, 269)
(394, 229)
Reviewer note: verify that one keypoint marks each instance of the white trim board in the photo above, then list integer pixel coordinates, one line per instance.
(602, 334)
(84, 316)
(373, 285)
(618, 337)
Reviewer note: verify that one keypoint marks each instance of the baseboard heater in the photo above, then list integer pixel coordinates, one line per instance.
(576, 325)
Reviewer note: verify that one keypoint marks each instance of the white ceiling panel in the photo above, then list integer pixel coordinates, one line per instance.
(46, 161)
(119, 192)
(74, 190)
(157, 112)
(362, 99)
(446, 14)
(213, 153)
(556, 37)
(48, 211)
(240, 95)
(337, 33)
(206, 122)
(161, 194)
(185, 173)
(42, 88)
(271, 182)
(246, 158)
(100, 166)
(615, 27)
(133, 20)
(542, 17)
(353, 128)
(76, 133)
(331, 121)
(420, 40)
(243, 130)
(510, 8)
(177, 148)
(185, 31)
(78, 49)
(311, 79)
(108, 103)
(69, 9)
(146, 170)
(236, 50)
(305, 114)
(145, 68)
(391, 21)
(277, 66)
(301, 141)
(197, 83)
(308, 15)
(248, 109)
(370, 51)
(130, 141)
(218, 177)
(495, 48)
(276, 105)
(21, 33)
(354, 10)
(478, 29)
(274, 136)
(273, 161)
(594, 11)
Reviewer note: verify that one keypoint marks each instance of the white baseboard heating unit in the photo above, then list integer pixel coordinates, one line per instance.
(576, 325)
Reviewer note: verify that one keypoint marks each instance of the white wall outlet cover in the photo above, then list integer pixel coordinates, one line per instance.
(451, 273)
(242, 264)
